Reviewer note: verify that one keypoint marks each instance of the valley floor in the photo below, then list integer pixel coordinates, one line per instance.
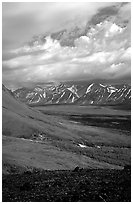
(92, 138)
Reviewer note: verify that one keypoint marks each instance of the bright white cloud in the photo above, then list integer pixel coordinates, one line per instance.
(116, 66)
(127, 54)
(113, 30)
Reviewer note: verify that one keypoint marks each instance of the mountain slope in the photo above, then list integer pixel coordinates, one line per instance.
(20, 120)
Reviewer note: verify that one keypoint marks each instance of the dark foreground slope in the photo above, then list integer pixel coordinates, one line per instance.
(68, 186)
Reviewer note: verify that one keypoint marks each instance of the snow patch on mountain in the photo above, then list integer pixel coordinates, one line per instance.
(103, 85)
(29, 95)
(89, 88)
(73, 90)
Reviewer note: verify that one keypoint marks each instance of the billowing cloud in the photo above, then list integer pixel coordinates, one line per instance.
(100, 51)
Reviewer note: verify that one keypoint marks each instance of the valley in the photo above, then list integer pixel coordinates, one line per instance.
(99, 138)
(59, 138)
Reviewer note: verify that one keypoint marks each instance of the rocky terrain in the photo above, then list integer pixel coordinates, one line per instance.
(79, 185)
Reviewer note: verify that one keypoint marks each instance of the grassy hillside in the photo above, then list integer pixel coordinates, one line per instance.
(20, 120)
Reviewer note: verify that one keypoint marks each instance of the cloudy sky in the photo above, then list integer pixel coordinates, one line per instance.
(45, 42)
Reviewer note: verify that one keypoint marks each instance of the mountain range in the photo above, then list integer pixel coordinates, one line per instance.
(81, 93)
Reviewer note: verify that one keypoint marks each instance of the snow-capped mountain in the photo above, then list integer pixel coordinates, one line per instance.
(76, 93)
